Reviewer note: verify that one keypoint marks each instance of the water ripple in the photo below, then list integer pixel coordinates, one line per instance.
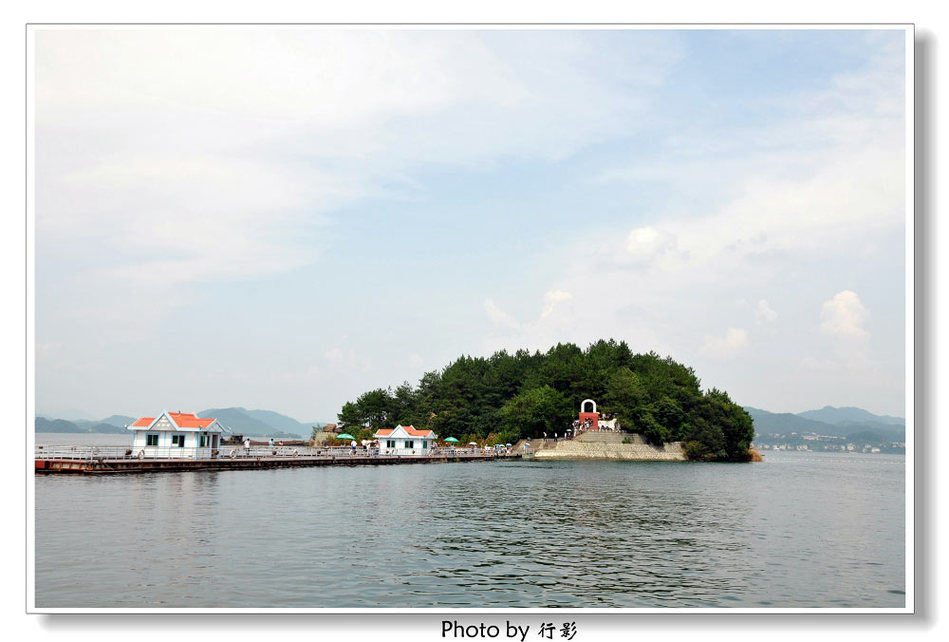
(797, 531)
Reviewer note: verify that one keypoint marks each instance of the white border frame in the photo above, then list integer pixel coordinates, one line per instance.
(910, 397)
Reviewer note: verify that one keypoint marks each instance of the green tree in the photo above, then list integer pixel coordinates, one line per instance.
(374, 407)
(652, 431)
(718, 430)
(403, 406)
(704, 441)
(624, 396)
(350, 415)
(507, 396)
(669, 414)
(535, 411)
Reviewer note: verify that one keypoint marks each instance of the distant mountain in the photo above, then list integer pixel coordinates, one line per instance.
(887, 431)
(120, 421)
(56, 425)
(832, 415)
(238, 421)
(848, 421)
(784, 423)
(265, 423)
(281, 422)
(78, 426)
(102, 427)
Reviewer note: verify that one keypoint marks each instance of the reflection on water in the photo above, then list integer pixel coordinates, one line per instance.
(800, 530)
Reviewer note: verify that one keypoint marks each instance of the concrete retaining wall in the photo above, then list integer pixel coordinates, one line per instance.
(592, 445)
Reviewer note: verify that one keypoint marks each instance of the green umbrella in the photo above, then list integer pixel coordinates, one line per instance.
(345, 435)
(452, 440)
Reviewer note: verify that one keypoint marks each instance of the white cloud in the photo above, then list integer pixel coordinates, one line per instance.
(782, 209)
(648, 243)
(499, 316)
(533, 333)
(843, 316)
(810, 176)
(763, 312)
(170, 158)
(749, 205)
(199, 155)
(727, 346)
(847, 363)
(552, 299)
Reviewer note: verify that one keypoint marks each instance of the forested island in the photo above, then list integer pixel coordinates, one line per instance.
(507, 397)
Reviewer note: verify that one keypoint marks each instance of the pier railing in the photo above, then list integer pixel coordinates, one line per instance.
(239, 452)
(82, 452)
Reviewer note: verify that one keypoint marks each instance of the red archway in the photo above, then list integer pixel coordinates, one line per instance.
(588, 412)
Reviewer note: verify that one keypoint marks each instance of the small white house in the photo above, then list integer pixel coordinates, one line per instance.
(176, 434)
(405, 440)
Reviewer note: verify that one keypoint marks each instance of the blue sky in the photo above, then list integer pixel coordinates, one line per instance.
(284, 219)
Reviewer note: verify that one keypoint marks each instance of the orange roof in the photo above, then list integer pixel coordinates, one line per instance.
(415, 432)
(188, 420)
(411, 430)
(182, 419)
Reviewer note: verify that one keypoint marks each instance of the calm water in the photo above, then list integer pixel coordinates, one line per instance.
(800, 530)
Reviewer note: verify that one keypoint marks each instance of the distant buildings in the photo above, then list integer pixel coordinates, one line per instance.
(813, 442)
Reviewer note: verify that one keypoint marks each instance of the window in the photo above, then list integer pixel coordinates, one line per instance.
(151, 440)
(178, 440)
(390, 443)
(409, 443)
(204, 441)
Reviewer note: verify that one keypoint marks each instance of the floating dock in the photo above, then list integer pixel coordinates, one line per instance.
(125, 465)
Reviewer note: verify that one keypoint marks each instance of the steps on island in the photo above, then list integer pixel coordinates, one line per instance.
(609, 445)
(608, 437)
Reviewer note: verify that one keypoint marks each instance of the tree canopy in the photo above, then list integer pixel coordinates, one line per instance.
(506, 397)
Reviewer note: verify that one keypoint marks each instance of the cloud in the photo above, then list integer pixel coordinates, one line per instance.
(499, 316)
(748, 205)
(820, 168)
(556, 319)
(727, 346)
(848, 363)
(763, 312)
(648, 243)
(781, 208)
(169, 159)
(843, 316)
(189, 156)
(552, 299)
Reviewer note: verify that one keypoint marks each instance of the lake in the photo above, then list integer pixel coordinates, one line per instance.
(798, 530)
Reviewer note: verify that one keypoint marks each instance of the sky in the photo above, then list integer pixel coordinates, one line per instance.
(285, 218)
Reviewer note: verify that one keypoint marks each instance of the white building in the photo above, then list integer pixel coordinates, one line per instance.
(176, 434)
(405, 440)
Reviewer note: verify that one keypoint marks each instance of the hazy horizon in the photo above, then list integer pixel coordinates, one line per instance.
(84, 416)
(285, 218)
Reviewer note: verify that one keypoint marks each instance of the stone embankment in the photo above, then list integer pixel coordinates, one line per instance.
(609, 445)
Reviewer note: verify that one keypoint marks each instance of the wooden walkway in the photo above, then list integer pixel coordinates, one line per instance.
(85, 466)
